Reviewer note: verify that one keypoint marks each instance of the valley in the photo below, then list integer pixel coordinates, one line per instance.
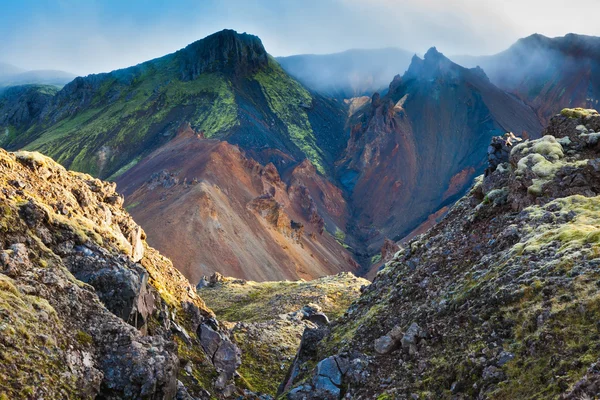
(337, 168)
(371, 224)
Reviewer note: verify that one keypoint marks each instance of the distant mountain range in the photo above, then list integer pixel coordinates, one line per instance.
(352, 73)
(547, 73)
(13, 76)
(231, 164)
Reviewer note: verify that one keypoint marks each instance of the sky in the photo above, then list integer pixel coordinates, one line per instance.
(91, 36)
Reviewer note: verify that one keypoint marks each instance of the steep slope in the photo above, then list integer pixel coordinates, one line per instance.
(21, 104)
(548, 73)
(349, 74)
(225, 85)
(210, 208)
(418, 148)
(87, 309)
(500, 300)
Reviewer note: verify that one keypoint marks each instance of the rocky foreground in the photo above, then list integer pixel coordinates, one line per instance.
(87, 309)
(500, 300)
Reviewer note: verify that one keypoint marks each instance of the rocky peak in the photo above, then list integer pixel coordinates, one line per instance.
(431, 66)
(226, 51)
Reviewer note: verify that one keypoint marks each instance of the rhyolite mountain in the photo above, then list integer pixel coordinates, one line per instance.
(352, 73)
(417, 149)
(547, 73)
(210, 207)
(212, 127)
(498, 301)
(231, 165)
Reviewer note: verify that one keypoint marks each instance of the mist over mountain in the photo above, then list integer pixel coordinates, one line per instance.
(14, 76)
(352, 73)
(548, 73)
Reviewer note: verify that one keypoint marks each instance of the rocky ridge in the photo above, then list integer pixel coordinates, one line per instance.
(416, 150)
(499, 300)
(87, 308)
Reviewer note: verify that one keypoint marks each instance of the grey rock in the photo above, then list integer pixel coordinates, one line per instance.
(224, 354)
(410, 338)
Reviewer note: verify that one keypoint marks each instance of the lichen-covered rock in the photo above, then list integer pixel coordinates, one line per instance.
(87, 309)
(500, 300)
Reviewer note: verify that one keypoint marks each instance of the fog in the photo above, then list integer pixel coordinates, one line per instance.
(101, 35)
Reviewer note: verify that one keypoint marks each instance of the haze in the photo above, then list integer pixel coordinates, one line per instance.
(97, 36)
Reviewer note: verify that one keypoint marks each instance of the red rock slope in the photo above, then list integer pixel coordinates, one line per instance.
(208, 207)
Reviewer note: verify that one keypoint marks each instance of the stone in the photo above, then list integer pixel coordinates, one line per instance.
(385, 344)
(390, 341)
(225, 355)
(410, 338)
(329, 368)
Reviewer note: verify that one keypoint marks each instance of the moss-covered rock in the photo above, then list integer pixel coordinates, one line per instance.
(505, 294)
(87, 309)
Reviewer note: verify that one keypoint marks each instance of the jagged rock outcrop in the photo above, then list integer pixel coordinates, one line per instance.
(87, 309)
(417, 149)
(498, 300)
(223, 51)
(21, 104)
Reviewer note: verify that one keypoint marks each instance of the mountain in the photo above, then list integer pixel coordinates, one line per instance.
(233, 166)
(211, 207)
(417, 149)
(254, 149)
(225, 86)
(352, 73)
(548, 73)
(499, 300)
(14, 76)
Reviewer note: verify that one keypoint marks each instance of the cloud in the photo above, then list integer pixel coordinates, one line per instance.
(101, 35)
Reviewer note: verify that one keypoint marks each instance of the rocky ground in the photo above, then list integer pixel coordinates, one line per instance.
(267, 319)
(500, 300)
(87, 309)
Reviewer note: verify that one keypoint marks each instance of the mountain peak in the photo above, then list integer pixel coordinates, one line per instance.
(225, 51)
(433, 53)
(432, 64)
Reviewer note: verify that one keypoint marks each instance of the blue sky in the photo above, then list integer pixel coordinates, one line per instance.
(88, 36)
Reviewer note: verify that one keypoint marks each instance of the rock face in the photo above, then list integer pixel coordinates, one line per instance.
(223, 51)
(416, 149)
(498, 300)
(87, 309)
(21, 104)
